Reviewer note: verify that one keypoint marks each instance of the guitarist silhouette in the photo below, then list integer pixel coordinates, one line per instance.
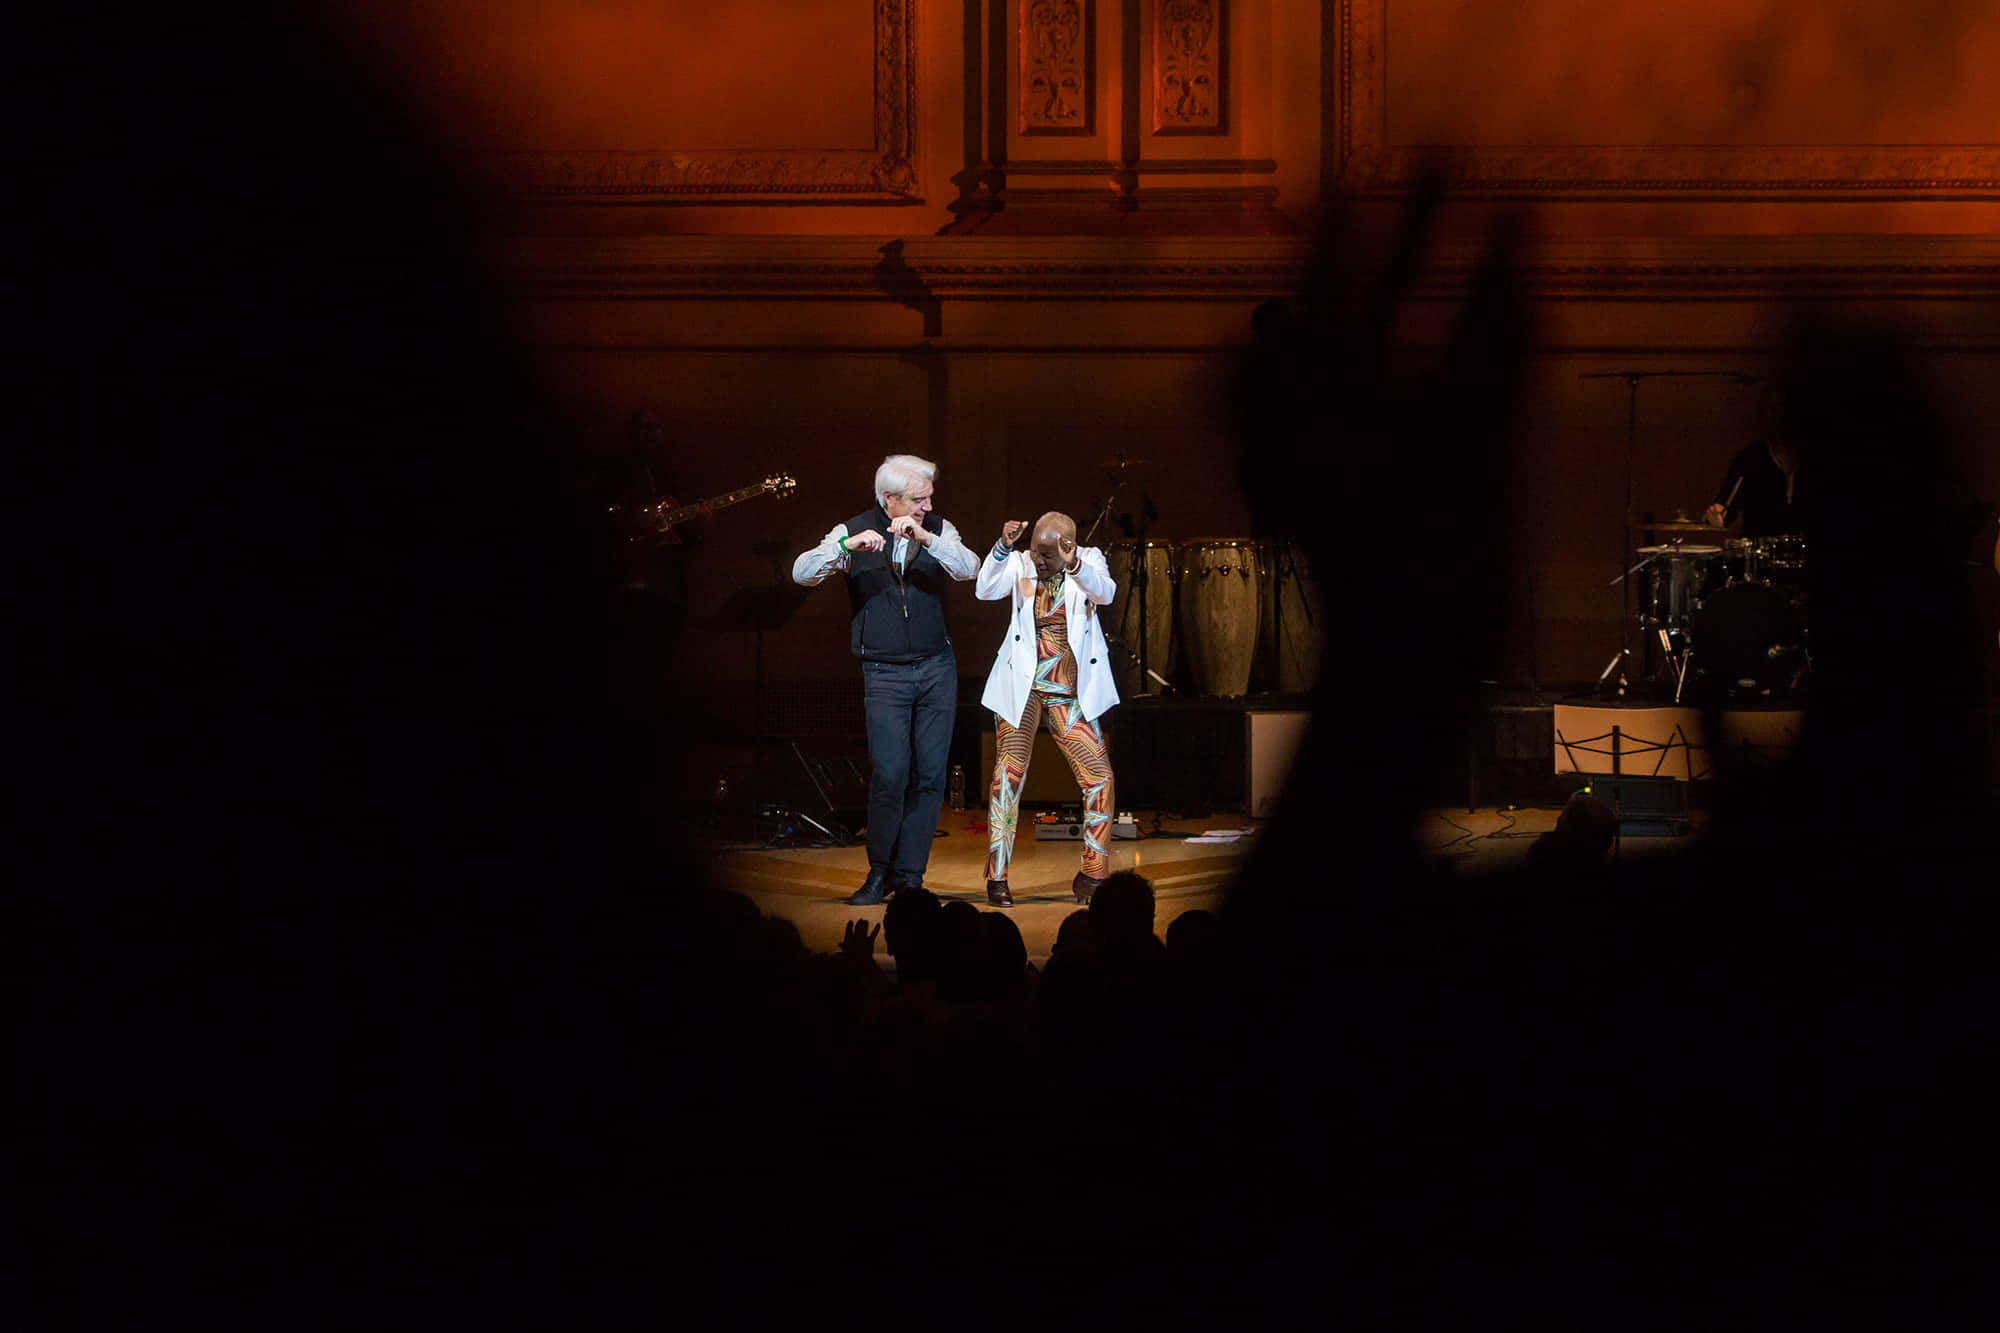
(648, 531)
(648, 562)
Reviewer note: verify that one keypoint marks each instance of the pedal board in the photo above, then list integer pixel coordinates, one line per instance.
(1067, 826)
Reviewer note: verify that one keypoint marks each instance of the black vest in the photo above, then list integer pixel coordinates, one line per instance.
(897, 618)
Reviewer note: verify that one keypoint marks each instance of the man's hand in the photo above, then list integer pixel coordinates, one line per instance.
(1714, 516)
(909, 525)
(858, 940)
(1010, 531)
(1067, 545)
(866, 540)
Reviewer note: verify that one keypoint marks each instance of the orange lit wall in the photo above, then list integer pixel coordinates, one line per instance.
(1023, 238)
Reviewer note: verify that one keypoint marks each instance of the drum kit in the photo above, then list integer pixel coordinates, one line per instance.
(1729, 614)
(1241, 616)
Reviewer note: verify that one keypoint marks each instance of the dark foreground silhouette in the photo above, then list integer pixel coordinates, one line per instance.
(357, 981)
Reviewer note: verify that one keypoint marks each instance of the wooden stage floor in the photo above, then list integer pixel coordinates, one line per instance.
(808, 885)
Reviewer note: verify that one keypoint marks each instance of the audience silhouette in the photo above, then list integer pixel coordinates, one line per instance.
(366, 978)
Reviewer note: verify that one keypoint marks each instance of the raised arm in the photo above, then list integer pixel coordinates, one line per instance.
(1093, 575)
(812, 566)
(950, 551)
(996, 572)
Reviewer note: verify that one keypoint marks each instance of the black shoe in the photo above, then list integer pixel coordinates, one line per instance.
(902, 882)
(998, 894)
(1083, 886)
(872, 891)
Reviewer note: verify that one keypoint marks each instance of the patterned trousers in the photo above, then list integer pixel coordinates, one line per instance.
(1082, 743)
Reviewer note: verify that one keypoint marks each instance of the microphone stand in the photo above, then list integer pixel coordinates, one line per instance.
(1104, 510)
(1141, 577)
(1632, 379)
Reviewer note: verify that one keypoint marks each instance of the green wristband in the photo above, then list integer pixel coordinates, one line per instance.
(842, 544)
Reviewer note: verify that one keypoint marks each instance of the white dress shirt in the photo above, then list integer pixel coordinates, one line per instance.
(812, 566)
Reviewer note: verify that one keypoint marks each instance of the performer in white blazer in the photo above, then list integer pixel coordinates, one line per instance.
(1053, 665)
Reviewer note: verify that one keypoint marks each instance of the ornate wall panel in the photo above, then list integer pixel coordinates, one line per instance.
(1056, 87)
(1189, 66)
(1759, 99)
(883, 171)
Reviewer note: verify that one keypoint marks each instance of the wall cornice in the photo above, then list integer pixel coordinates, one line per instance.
(1948, 268)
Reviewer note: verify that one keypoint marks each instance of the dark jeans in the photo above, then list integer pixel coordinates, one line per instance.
(911, 707)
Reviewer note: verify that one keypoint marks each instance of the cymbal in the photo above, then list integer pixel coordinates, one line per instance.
(1680, 525)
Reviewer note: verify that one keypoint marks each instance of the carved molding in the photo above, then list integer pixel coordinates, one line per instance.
(1056, 90)
(1748, 269)
(884, 173)
(1369, 163)
(1189, 64)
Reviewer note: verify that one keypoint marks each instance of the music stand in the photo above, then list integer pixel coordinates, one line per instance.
(761, 607)
(1624, 744)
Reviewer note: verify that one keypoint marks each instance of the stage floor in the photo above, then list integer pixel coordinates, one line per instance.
(808, 885)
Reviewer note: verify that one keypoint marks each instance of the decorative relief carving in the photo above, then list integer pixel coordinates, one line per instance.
(1368, 161)
(1056, 88)
(885, 173)
(1188, 65)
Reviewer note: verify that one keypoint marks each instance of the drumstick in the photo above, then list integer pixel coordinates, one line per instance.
(1732, 494)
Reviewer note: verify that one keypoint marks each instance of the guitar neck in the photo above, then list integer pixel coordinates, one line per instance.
(667, 518)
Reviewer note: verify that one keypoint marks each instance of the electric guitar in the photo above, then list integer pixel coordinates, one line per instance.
(656, 521)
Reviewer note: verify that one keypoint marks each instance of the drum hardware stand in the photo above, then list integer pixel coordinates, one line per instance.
(1632, 379)
(1611, 666)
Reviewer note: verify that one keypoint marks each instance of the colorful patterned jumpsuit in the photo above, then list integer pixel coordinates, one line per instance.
(1082, 741)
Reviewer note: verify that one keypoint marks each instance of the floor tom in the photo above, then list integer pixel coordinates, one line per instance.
(1675, 578)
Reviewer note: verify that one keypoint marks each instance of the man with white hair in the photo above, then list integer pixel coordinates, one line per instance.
(898, 558)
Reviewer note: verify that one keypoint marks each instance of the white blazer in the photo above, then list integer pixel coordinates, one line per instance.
(1013, 674)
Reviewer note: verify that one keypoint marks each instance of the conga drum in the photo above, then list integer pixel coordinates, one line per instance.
(1140, 619)
(1293, 629)
(1221, 593)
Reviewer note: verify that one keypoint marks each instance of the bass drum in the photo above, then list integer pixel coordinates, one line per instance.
(1747, 640)
(1144, 571)
(1292, 628)
(1220, 597)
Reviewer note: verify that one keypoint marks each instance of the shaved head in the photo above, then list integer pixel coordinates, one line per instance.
(1053, 532)
(1058, 525)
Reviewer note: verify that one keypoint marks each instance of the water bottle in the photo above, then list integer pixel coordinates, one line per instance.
(958, 786)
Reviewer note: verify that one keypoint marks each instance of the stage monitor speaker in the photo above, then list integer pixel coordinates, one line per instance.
(1048, 782)
(1654, 807)
(1271, 742)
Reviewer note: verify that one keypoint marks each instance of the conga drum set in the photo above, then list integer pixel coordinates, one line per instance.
(1242, 615)
(1233, 616)
(1729, 613)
